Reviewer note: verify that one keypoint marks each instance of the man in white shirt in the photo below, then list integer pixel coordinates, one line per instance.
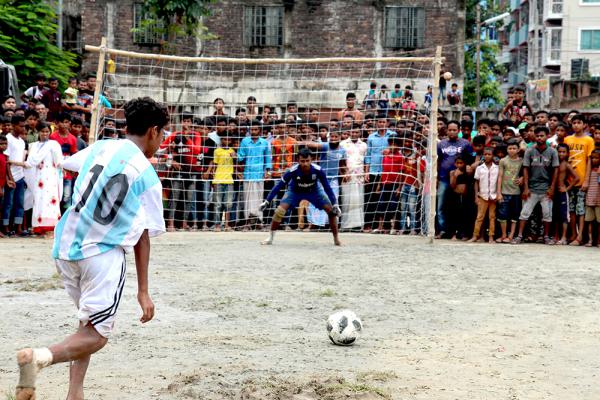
(486, 183)
(14, 197)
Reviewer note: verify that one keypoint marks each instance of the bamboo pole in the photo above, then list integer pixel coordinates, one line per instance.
(97, 90)
(432, 145)
(225, 60)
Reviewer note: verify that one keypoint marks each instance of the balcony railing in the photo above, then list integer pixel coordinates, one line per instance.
(523, 34)
(552, 57)
(504, 56)
(513, 40)
(517, 75)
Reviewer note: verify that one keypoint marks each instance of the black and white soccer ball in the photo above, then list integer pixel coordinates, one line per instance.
(343, 327)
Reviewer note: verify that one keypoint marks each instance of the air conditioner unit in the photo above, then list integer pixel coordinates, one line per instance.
(580, 68)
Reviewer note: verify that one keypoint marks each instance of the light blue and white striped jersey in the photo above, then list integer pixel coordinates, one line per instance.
(116, 196)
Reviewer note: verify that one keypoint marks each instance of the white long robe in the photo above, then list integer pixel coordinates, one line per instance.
(44, 183)
(353, 214)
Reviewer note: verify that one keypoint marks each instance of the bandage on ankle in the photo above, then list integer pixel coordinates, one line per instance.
(28, 372)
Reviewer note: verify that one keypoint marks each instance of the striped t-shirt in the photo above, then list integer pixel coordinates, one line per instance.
(116, 196)
(592, 198)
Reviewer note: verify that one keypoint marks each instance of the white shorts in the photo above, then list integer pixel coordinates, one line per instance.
(95, 284)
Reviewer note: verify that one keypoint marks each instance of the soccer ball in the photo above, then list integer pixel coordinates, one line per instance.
(447, 75)
(343, 327)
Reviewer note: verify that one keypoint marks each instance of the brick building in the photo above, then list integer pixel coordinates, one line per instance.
(285, 29)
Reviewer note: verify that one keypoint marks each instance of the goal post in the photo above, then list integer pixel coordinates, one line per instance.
(237, 125)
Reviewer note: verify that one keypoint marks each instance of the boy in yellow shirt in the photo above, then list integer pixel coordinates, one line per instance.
(222, 166)
(580, 148)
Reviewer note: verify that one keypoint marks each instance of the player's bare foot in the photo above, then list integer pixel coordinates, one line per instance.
(472, 240)
(337, 242)
(267, 242)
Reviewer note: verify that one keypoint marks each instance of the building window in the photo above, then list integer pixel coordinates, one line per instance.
(590, 2)
(556, 7)
(263, 26)
(145, 34)
(72, 33)
(554, 44)
(404, 27)
(590, 39)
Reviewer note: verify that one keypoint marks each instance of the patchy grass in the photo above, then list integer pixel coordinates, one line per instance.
(10, 394)
(36, 285)
(335, 388)
(327, 293)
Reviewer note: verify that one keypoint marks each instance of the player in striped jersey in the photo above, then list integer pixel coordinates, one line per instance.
(116, 208)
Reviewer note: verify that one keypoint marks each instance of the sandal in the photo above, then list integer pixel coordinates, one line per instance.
(548, 241)
(588, 244)
(575, 243)
(517, 240)
(561, 242)
(506, 240)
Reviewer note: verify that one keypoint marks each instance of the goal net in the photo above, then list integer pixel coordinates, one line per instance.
(237, 126)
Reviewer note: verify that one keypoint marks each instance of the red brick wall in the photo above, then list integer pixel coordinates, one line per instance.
(313, 28)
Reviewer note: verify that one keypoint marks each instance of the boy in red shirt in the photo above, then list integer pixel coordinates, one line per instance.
(388, 185)
(68, 144)
(5, 176)
(413, 168)
(183, 148)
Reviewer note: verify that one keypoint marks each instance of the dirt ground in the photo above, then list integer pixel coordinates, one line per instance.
(239, 321)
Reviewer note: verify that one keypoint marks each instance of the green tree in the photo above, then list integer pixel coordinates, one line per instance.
(178, 18)
(490, 70)
(27, 32)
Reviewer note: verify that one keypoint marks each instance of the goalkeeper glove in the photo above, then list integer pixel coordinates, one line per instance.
(337, 211)
(263, 205)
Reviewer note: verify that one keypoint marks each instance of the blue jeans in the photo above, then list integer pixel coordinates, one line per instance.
(223, 201)
(442, 195)
(13, 202)
(408, 207)
(202, 200)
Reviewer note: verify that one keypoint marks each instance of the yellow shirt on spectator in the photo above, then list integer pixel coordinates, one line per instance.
(223, 159)
(111, 66)
(580, 149)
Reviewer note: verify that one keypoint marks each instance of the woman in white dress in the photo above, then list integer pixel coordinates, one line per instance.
(43, 175)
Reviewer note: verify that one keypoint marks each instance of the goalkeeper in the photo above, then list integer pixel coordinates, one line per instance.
(302, 184)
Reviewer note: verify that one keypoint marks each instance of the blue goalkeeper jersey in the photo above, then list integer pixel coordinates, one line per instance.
(299, 182)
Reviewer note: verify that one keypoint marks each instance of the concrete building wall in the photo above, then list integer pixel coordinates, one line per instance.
(578, 16)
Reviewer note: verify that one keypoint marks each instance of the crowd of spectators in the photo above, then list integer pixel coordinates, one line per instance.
(533, 175)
